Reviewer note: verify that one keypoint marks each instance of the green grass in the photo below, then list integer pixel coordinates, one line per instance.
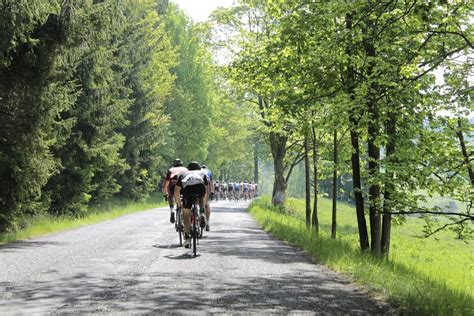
(422, 276)
(46, 224)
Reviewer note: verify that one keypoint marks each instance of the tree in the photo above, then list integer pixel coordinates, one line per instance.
(232, 137)
(149, 56)
(382, 55)
(252, 27)
(189, 106)
(34, 89)
(90, 156)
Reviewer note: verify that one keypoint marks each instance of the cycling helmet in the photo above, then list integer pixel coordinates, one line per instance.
(194, 165)
(204, 167)
(177, 162)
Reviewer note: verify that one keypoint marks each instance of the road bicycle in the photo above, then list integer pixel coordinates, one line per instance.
(197, 228)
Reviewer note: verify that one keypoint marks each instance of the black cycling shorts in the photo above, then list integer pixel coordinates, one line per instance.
(188, 192)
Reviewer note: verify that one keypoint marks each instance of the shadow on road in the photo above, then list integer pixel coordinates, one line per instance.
(187, 255)
(169, 293)
(167, 246)
(26, 244)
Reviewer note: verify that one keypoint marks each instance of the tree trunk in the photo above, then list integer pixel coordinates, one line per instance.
(374, 161)
(278, 148)
(357, 183)
(315, 218)
(307, 180)
(255, 163)
(334, 187)
(465, 154)
(387, 206)
(355, 157)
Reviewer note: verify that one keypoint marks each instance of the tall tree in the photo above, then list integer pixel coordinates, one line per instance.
(189, 106)
(90, 159)
(383, 55)
(148, 56)
(34, 89)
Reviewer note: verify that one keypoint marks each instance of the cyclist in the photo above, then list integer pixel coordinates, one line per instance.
(168, 186)
(253, 190)
(225, 187)
(217, 190)
(193, 181)
(211, 192)
(237, 190)
(231, 191)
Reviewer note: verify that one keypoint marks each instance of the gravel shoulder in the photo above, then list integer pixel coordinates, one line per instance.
(133, 264)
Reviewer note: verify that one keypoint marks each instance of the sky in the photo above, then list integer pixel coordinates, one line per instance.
(199, 10)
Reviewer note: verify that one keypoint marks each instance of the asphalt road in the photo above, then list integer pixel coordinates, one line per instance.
(134, 265)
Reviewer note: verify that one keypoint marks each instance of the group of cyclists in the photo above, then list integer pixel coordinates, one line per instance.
(236, 191)
(182, 184)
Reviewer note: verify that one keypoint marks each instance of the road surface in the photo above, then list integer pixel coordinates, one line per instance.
(133, 264)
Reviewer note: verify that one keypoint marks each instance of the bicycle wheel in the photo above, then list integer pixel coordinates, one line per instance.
(200, 228)
(194, 231)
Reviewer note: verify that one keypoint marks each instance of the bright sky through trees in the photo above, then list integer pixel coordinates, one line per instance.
(199, 10)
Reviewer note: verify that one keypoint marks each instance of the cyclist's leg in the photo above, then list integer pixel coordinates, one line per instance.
(171, 189)
(208, 209)
(185, 205)
(187, 220)
(201, 191)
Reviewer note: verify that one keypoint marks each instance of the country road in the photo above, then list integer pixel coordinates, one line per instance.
(134, 265)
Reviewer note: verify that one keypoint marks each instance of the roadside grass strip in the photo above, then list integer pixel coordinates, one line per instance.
(422, 276)
(46, 224)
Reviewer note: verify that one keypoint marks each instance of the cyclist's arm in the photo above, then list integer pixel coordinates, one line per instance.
(165, 187)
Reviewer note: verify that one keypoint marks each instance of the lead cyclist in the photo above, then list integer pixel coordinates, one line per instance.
(191, 182)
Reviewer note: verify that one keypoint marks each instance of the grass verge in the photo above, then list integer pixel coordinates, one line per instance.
(46, 224)
(422, 276)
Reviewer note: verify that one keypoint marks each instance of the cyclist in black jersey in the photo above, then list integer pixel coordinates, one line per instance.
(193, 181)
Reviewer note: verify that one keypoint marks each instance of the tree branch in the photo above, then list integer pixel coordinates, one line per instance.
(468, 216)
(464, 37)
(297, 160)
(431, 233)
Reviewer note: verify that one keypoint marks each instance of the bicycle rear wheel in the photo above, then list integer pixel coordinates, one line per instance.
(195, 235)
(194, 229)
